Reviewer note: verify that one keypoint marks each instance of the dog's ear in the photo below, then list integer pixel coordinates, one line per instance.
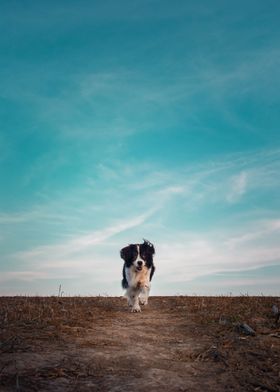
(149, 247)
(126, 253)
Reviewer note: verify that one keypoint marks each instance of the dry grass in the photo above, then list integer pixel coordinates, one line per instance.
(78, 343)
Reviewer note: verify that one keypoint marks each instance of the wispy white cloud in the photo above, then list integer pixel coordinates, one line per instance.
(80, 243)
(246, 283)
(260, 231)
(238, 187)
(27, 216)
(227, 179)
(26, 276)
(183, 254)
(186, 258)
(193, 255)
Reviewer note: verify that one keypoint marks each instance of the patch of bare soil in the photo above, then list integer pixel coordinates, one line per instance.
(175, 344)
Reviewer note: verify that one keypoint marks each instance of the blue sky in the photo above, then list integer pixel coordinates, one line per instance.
(131, 119)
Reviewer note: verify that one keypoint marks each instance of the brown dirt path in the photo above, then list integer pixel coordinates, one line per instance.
(175, 344)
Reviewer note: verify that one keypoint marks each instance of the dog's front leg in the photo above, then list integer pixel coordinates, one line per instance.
(133, 299)
(145, 294)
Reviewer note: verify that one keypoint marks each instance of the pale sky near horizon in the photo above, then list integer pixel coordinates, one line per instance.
(124, 120)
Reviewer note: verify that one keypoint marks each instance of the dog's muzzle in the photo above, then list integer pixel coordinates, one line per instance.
(139, 265)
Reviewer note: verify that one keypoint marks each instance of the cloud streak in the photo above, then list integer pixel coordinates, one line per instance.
(196, 255)
(238, 187)
(183, 255)
(78, 244)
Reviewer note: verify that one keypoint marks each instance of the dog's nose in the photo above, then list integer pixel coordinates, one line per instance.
(140, 263)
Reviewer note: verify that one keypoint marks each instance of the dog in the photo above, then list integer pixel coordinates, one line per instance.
(138, 270)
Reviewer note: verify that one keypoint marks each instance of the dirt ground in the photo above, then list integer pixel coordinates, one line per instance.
(175, 344)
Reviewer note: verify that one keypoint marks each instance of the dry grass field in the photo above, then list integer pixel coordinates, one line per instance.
(175, 344)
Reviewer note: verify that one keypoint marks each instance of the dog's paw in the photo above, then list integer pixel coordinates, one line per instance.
(143, 301)
(135, 309)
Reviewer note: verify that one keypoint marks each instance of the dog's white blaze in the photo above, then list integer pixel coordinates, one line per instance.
(138, 256)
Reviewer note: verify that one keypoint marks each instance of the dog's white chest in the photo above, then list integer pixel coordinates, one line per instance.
(138, 279)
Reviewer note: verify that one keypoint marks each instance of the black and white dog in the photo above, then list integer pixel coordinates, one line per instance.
(138, 271)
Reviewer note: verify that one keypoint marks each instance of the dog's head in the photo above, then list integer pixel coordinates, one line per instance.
(138, 255)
